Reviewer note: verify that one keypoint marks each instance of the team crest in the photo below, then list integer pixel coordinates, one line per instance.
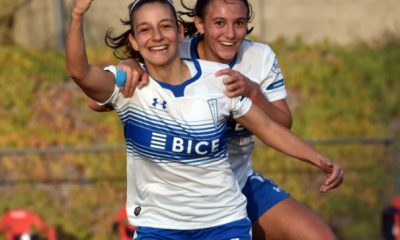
(212, 104)
(275, 67)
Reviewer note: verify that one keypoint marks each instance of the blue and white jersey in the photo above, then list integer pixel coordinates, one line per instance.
(258, 62)
(178, 175)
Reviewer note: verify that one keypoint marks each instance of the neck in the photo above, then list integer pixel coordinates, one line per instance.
(174, 73)
(200, 50)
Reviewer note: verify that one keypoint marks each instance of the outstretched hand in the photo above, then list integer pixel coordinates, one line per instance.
(80, 7)
(334, 174)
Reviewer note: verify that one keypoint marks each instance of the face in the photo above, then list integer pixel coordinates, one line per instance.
(156, 34)
(224, 27)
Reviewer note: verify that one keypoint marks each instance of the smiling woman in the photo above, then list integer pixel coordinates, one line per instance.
(180, 184)
(178, 176)
(156, 40)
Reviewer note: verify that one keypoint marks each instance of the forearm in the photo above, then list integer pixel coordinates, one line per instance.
(76, 57)
(278, 137)
(285, 141)
(95, 82)
(278, 111)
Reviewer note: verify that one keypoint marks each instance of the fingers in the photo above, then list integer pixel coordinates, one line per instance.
(235, 83)
(335, 177)
(144, 80)
(128, 82)
(226, 71)
(233, 89)
(136, 77)
(81, 6)
(131, 81)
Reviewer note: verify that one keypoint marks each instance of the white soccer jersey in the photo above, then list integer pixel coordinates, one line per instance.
(258, 62)
(178, 175)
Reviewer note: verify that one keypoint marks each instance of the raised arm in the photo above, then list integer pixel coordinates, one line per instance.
(285, 141)
(93, 80)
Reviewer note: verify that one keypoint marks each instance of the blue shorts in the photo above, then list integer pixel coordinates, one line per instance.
(262, 194)
(237, 230)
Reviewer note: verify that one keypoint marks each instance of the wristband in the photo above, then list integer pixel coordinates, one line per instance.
(119, 75)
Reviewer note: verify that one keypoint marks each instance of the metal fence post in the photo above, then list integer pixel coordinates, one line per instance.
(60, 26)
(395, 170)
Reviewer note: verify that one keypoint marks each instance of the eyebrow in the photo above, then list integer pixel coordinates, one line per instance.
(161, 21)
(222, 18)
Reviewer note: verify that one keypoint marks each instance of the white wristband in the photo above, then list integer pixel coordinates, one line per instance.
(112, 69)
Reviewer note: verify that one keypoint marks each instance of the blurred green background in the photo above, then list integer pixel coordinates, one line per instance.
(336, 94)
(67, 163)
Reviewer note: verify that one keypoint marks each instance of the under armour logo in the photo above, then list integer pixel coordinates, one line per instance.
(162, 104)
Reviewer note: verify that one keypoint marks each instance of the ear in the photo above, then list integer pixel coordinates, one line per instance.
(133, 42)
(198, 22)
(181, 32)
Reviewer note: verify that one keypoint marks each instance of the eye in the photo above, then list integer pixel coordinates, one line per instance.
(143, 29)
(220, 23)
(240, 23)
(166, 26)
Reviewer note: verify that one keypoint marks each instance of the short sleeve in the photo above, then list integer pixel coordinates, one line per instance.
(273, 86)
(240, 106)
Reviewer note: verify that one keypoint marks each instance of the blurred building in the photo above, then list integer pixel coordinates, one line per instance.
(41, 23)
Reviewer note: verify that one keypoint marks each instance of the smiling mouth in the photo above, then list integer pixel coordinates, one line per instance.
(158, 48)
(227, 44)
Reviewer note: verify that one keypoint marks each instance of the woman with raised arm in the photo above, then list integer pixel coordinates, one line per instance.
(180, 184)
(217, 33)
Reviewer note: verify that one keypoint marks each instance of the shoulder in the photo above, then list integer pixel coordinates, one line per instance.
(204, 67)
(203, 73)
(250, 48)
(254, 59)
(210, 66)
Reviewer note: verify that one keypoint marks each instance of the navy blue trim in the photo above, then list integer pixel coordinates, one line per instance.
(276, 84)
(233, 62)
(179, 90)
(193, 46)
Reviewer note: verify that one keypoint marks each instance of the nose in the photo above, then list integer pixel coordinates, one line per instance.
(230, 31)
(157, 35)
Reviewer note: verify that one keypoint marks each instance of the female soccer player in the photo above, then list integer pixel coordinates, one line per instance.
(218, 34)
(218, 31)
(180, 185)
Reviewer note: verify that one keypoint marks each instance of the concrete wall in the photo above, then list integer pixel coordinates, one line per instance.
(343, 21)
(42, 23)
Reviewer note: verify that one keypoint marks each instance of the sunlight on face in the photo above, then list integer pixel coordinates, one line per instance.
(155, 33)
(224, 27)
